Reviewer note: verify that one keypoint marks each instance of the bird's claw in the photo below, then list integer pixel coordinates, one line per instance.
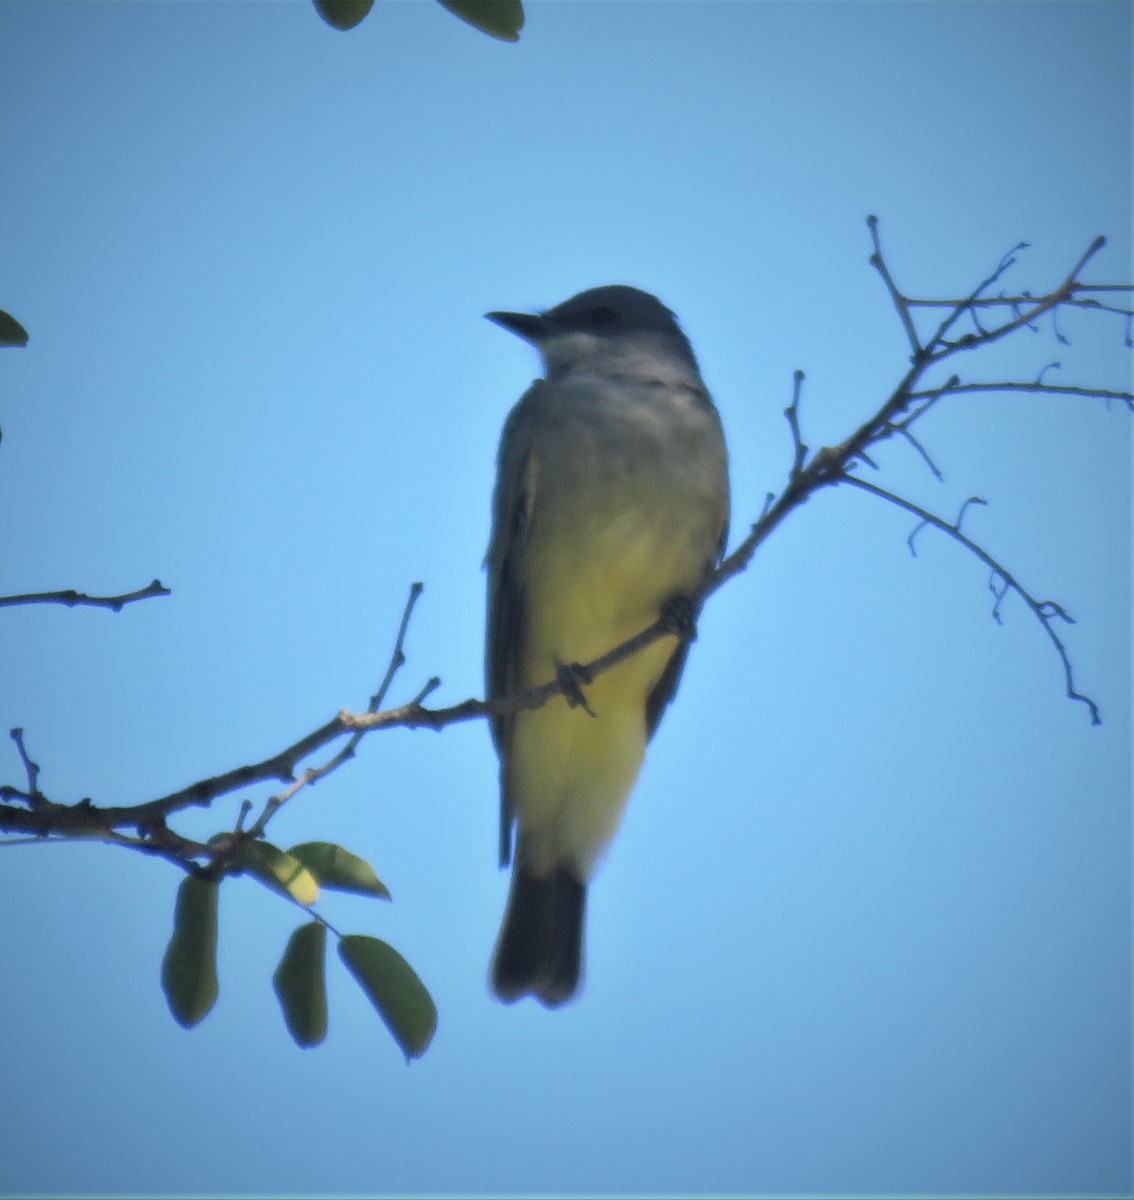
(571, 677)
(679, 617)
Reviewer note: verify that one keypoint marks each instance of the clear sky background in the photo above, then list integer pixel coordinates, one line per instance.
(867, 926)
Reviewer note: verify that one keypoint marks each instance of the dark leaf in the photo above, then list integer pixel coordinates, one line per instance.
(343, 14)
(12, 333)
(189, 969)
(301, 985)
(394, 989)
(501, 19)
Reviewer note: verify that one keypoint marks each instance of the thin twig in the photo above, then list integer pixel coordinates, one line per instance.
(1044, 610)
(398, 657)
(1042, 305)
(72, 598)
(901, 303)
(956, 388)
(799, 449)
(937, 344)
(397, 660)
(31, 769)
(903, 429)
(1075, 299)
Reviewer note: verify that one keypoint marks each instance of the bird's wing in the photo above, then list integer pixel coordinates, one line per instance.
(511, 512)
(666, 686)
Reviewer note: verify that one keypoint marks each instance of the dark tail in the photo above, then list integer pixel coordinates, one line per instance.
(540, 947)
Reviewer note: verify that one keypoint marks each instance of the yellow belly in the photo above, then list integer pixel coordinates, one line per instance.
(591, 584)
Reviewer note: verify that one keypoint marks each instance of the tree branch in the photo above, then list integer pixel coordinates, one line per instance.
(956, 388)
(1045, 611)
(27, 811)
(72, 598)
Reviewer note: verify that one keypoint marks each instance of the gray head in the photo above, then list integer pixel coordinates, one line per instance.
(600, 318)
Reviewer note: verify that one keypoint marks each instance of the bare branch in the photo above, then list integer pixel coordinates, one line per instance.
(31, 769)
(88, 821)
(1042, 304)
(956, 524)
(1045, 610)
(27, 811)
(313, 774)
(1079, 297)
(902, 428)
(71, 598)
(927, 400)
(956, 388)
(901, 303)
(398, 657)
(967, 306)
(792, 413)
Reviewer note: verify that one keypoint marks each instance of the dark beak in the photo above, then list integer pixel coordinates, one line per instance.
(530, 326)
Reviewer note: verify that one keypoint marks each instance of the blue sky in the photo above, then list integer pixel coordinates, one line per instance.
(866, 927)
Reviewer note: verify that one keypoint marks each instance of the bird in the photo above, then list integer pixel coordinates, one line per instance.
(610, 509)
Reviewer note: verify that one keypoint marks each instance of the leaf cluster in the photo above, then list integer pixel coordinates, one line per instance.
(501, 19)
(189, 973)
(189, 976)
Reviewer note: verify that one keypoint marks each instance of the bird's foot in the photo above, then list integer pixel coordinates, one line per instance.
(571, 677)
(679, 617)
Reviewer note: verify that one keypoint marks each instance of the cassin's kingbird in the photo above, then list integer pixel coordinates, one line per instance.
(611, 504)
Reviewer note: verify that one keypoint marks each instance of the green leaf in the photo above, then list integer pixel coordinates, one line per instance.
(12, 333)
(501, 19)
(394, 989)
(189, 969)
(337, 868)
(280, 871)
(343, 14)
(301, 985)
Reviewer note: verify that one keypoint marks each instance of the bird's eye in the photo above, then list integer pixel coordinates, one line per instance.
(602, 314)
